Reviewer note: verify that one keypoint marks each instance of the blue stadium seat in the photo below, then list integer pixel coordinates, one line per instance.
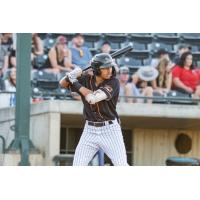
(115, 40)
(166, 34)
(181, 161)
(91, 39)
(146, 61)
(145, 38)
(42, 75)
(128, 60)
(190, 35)
(39, 61)
(191, 38)
(48, 43)
(158, 45)
(170, 38)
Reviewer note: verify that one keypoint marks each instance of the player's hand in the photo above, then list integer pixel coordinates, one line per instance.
(76, 72)
(72, 78)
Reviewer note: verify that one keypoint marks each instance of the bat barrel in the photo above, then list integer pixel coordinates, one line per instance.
(117, 53)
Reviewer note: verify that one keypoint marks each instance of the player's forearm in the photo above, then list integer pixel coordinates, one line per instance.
(84, 91)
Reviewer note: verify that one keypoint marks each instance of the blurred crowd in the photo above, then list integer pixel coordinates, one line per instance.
(162, 78)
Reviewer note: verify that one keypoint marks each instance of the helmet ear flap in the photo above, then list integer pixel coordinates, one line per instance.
(114, 73)
(97, 71)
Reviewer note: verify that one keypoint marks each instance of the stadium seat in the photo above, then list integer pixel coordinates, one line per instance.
(115, 40)
(191, 38)
(139, 46)
(42, 75)
(190, 35)
(128, 60)
(133, 69)
(145, 38)
(158, 45)
(176, 97)
(48, 43)
(90, 40)
(168, 38)
(39, 61)
(146, 62)
(195, 48)
(180, 161)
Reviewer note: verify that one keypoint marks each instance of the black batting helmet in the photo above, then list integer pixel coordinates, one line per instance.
(100, 61)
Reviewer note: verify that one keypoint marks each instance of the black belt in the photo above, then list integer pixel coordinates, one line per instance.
(99, 124)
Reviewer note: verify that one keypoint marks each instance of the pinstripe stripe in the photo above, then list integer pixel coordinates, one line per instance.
(109, 138)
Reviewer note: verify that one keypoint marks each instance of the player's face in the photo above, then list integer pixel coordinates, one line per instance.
(124, 77)
(106, 48)
(79, 41)
(188, 61)
(106, 73)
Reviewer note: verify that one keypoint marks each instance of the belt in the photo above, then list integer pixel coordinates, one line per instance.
(99, 124)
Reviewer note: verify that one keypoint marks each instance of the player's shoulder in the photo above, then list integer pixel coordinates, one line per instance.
(113, 81)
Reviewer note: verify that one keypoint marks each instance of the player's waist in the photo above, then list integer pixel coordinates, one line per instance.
(100, 124)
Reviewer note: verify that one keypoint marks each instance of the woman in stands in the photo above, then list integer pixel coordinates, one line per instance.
(37, 45)
(186, 77)
(59, 57)
(10, 86)
(163, 82)
(141, 84)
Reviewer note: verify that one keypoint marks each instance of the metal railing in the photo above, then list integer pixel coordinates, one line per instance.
(68, 96)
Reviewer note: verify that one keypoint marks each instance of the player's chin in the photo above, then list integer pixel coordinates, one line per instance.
(108, 76)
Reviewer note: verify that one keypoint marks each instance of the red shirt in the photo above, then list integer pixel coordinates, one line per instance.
(190, 78)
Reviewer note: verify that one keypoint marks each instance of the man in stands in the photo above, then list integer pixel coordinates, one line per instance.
(182, 49)
(105, 48)
(161, 53)
(81, 55)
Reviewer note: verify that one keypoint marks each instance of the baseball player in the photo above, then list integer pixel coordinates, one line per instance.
(99, 93)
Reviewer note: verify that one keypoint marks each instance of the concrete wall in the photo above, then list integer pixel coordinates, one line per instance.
(47, 118)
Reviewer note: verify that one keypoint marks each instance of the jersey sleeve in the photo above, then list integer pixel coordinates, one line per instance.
(111, 88)
(176, 72)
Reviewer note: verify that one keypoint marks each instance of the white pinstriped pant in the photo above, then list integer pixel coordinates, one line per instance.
(109, 138)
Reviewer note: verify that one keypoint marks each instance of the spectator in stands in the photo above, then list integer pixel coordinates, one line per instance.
(10, 86)
(37, 45)
(10, 82)
(3, 58)
(163, 82)
(141, 84)
(182, 49)
(123, 79)
(161, 53)
(106, 48)
(81, 55)
(186, 77)
(12, 62)
(7, 40)
(59, 57)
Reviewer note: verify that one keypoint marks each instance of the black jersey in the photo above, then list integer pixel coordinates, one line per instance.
(103, 110)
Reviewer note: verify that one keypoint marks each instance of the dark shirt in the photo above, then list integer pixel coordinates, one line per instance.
(103, 110)
(176, 59)
(48, 62)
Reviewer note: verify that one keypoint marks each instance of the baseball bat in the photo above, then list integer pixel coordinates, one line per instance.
(117, 53)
